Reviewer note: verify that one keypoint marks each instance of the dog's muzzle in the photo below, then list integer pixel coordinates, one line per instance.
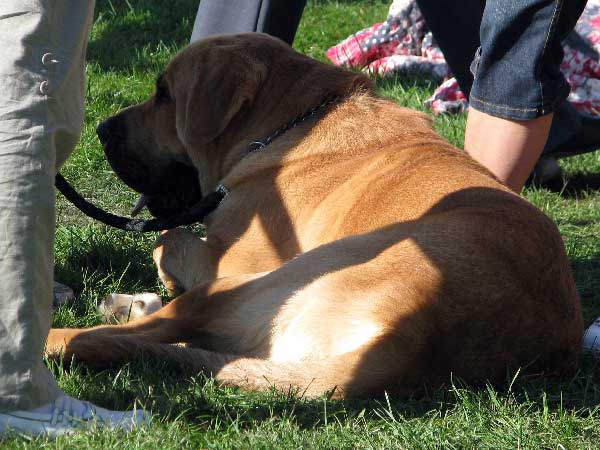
(167, 189)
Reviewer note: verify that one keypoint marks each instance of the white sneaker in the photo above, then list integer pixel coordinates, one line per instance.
(68, 415)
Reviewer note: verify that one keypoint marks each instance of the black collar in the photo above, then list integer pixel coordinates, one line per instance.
(260, 145)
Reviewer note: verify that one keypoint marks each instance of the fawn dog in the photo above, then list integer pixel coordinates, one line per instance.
(356, 253)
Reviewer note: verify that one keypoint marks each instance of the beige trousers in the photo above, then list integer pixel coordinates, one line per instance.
(42, 87)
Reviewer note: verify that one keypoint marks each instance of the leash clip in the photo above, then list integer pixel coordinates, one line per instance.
(223, 191)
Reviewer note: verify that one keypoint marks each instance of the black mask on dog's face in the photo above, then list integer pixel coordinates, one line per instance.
(183, 191)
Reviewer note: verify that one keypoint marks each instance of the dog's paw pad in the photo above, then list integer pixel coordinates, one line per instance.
(122, 308)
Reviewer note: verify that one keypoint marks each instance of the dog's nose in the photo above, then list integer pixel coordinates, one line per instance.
(111, 129)
(103, 131)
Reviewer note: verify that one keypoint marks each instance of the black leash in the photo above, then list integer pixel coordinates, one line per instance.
(196, 213)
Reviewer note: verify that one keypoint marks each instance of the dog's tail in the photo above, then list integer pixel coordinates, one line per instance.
(347, 374)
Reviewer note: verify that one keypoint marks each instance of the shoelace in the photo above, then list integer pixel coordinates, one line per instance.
(66, 412)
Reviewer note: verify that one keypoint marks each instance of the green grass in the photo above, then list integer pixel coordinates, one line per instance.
(130, 43)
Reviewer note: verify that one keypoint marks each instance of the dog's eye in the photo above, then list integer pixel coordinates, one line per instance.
(162, 95)
(162, 92)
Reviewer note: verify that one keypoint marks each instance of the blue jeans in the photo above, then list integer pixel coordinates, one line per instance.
(524, 36)
(517, 66)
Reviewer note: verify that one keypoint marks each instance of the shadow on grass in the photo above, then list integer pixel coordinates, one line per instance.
(160, 387)
(116, 259)
(576, 185)
(587, 278)
(136, 30)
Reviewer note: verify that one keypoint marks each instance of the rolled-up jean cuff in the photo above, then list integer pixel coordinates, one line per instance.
(516, 113)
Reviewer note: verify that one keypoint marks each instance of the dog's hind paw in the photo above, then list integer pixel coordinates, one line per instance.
(123, 308)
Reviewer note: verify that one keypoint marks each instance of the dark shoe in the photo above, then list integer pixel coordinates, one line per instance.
(546, 173)
(586, 140)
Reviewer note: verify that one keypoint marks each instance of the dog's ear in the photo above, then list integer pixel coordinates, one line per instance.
(223, 84)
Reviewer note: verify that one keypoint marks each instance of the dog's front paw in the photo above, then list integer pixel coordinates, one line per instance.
(122, 308)
(183, 261)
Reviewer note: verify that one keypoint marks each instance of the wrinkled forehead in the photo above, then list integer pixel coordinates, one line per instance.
(241, 44)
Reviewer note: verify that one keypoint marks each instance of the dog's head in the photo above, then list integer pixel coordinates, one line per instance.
(213, 99)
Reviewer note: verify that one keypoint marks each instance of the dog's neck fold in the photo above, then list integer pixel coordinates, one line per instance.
(275, 105)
